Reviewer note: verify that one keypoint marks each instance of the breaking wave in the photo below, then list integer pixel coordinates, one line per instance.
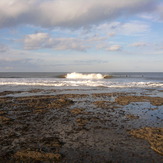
(75, 75)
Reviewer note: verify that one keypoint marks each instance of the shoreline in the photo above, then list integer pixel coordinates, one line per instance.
(95, 127)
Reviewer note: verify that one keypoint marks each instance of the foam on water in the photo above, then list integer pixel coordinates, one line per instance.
(75, 75)
(78, 82)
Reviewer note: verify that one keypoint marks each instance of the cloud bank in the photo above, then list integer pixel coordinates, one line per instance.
(68, 13)
(45, 41)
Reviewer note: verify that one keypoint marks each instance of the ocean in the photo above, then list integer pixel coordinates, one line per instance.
(103, 82)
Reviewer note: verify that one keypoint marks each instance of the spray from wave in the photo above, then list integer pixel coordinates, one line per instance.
(75, 75)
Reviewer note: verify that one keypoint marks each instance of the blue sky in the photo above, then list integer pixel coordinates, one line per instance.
(81, 35)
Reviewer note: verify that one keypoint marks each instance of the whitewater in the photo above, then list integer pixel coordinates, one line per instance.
(75, 75)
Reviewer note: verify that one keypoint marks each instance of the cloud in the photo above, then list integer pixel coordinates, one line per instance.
(129, 28)
(114, 48)
(149, 16)
(69, 44)
(160, 11)
(45, 41)
(134, 27)
(36, 41)
(156, 15)
(139, 44)
(83, 42)
(68, 13)
(112, 34)
(3, 48)
(95, 38)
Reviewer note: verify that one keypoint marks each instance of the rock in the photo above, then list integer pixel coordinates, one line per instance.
(131, 116)
(2, 112)
(9, 92)
(4, 119)
(51, 142)
(76, 111)
(125, 100)
(34, 102)
(153, 135)
(39, 156)
(39, 111)
(60, 103)
(102, 104)
(45, 126)
(35, 90)
(81, 121)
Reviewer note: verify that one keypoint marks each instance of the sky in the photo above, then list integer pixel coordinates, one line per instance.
(81, 36)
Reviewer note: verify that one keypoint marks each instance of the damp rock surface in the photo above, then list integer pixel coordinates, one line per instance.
(80, 128)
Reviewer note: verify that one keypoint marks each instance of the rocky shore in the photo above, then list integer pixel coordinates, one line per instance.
(80, 128)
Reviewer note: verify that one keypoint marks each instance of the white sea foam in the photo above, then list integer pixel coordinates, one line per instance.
(75, 75)
(78, 82)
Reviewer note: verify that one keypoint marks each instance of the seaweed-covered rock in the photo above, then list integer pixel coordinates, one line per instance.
(125, 100)
(131, 116)
(4, 119)
(76, 111)
(153, 135)
(81, 121)
(34, 155)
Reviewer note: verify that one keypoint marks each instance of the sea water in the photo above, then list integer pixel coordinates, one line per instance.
(89, 81)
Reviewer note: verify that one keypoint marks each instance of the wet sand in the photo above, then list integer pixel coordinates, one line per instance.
(95, 127)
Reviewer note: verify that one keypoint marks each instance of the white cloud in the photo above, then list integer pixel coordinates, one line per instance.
(96, 39)
(35, 41)
(3, 48)
(129, 28)
(68, 13)
(149, 16)
(139, 44)
(134, 27)
(69, 44)
(114, 48)
(44, 40)
(112, 34)
(160, 11)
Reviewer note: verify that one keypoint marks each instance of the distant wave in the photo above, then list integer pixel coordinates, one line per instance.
(75, 75)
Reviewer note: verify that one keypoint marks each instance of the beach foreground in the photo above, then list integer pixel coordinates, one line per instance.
(80, 127)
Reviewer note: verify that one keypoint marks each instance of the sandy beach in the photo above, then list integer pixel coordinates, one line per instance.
(37, 126)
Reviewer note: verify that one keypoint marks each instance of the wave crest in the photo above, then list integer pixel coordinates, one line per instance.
(75, 75)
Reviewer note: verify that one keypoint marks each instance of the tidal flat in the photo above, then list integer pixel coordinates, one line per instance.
(45, 126)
